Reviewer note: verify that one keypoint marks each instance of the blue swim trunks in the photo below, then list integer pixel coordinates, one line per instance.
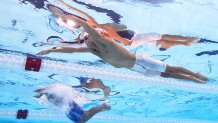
(83, 79)
(75, 113)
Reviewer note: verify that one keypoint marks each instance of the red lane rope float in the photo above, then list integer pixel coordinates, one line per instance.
(22, 114)
(33, 64)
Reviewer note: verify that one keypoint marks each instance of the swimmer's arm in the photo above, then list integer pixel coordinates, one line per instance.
(79, 11)
(69, 49)
(115, 26)
(86, 27)
(64, 50)
(89, 30)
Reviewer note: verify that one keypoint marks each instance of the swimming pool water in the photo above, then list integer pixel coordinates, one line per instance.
(23, 26)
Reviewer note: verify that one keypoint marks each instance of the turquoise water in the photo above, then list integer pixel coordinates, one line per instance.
(23, 26)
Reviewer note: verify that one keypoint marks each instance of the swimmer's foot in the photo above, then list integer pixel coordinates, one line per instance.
(201, 77)
(195, 79)
(195, 40)
(198, 80)
(192, 41)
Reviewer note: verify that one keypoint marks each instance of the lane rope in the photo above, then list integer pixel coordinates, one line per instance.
(39, 115)
(14, 62)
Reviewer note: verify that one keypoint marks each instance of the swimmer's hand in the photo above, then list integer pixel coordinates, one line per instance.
(44, 52)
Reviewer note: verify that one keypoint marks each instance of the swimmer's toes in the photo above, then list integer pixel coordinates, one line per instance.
(202, 77)
(201, 81)
(192, 41)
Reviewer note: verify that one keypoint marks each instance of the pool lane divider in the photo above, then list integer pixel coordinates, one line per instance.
(29, 115)
(15, 62)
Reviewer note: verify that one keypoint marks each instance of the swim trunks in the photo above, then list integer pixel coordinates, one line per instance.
(146, 38)
(83, 79)
(148, 66)
(128, 34)
(75, 112)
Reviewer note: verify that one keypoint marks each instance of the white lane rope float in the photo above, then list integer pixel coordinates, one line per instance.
(43, 115)
(14, 62)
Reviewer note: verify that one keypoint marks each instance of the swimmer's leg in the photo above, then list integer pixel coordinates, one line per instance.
(173, 70)
(167, 44)
(91, 112)
(186, 40)
(171, 40)
(181, 76)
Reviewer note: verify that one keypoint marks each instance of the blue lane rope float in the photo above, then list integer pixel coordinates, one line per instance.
(43, 115)
(9, 61)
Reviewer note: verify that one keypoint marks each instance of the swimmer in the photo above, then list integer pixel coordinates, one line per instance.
(119, 32)
(69, 100)
(119, 57)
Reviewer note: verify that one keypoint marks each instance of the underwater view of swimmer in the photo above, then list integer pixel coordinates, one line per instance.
(70, 99)
(118, 32)
(107, 61)
(116, 55)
